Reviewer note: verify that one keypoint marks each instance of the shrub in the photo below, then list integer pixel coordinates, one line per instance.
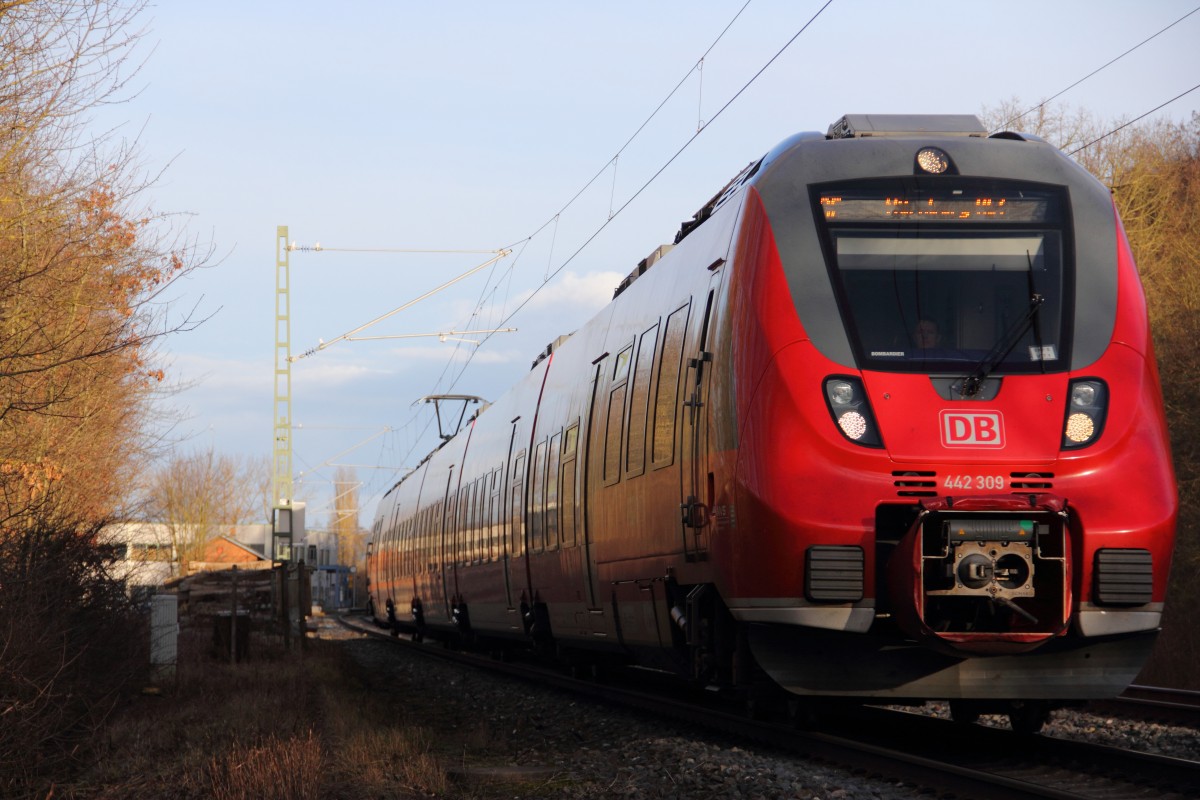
(71, 644)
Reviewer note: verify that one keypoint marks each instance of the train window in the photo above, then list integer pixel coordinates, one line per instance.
(621, 365)
(614, 428)
(423, 538)
(417, 556)
(440, 554)
(398, 547)
(456, 516)
(470, 536)
(567, 485)
(419, 536)
(639, 397)
(400, 552)
(432, 537)
(463, 542)
(946, 274)
(459, 535)
(428, 540)
(472, 532)
(465, 513)
(493, 517)
(480, 519)
(410, 550)
(612, 440)
(663, 448)
(517, 499)
(537, 527)
(552, 491)
(389, 549)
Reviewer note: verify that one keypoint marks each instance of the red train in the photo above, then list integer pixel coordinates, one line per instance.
(885, 422)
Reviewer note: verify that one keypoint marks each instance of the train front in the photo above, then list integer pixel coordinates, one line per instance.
(953, 477)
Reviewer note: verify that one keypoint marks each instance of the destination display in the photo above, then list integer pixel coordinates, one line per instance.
(959, 207)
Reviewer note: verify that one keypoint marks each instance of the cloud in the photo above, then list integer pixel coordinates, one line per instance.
(250, 377)
(582, 294)
(220, 374)
(491, 353)
(329, 373)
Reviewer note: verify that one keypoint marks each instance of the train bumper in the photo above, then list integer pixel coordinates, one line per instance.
(821, 663)
(983, 575)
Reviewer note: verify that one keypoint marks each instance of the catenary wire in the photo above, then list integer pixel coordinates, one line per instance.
(570, 202)
(1135, 119)
(652, 178)
(1093, 72)
(641, 127)
(550, 275)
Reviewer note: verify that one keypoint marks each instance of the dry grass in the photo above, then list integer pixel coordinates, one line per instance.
(386, 759)
(284, 768)
(290, 727)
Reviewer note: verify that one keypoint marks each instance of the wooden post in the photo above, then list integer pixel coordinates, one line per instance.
(233, 609)
(286, 615)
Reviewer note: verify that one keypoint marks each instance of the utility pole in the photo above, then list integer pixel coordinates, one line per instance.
(281, 479)
(281, 483)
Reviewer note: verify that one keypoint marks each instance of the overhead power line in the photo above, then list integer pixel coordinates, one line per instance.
(352, 448)
(348, 336)
(645, 185)
(1135, 119)
(553, 220)
(612, 161)
(317, 247)
(1096, 70)
(445, 336)
(701, 125)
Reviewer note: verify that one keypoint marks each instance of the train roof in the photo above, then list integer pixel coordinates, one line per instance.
(862, 125)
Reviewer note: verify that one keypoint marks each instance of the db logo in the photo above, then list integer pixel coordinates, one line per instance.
(972, 429)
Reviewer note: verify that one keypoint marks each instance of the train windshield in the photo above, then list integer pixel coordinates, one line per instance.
(945, 274)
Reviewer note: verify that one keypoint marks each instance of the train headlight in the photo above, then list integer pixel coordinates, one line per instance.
(1080, 428)
(933, 160)
(850, 410)
(1086, 411)
(853, 424)
(1083, 395)
(840, 392)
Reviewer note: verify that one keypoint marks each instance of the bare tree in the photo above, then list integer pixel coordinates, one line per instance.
(351, 539)
(1153, 171)
(200, 496)
(84, 271)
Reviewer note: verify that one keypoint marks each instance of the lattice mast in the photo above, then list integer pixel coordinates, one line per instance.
(281, 483)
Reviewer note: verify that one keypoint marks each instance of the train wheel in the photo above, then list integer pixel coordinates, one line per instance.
(964, 712)
(1027, 716)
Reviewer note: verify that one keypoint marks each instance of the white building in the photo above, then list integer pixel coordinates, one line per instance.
(147, 554)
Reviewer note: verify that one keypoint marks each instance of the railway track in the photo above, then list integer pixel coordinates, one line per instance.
(937, 755)
(1154, 704)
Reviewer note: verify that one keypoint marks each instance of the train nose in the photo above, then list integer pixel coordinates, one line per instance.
(983, 574)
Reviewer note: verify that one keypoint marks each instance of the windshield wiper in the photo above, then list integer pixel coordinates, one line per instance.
(974, 382)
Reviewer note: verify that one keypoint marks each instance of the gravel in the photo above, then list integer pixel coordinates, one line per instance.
(1082, 725)
(565, 747)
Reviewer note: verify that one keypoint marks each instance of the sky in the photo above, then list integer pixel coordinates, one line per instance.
(374, 127)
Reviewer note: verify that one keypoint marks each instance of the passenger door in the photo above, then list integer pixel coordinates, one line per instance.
(695, 492)
(593, 456)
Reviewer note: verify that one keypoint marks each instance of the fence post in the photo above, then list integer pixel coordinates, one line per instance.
(164, 635)
(233, 609)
